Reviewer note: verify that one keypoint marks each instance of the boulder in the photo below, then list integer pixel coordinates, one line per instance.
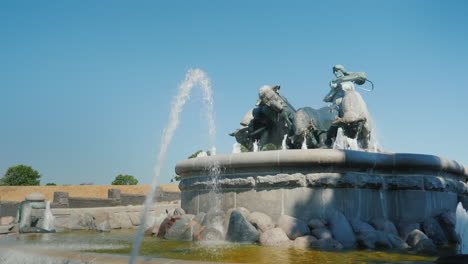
(380, 240)
(322, 233)
(384, 225)
(421, 243)
(261, 221)
(341, 229)
(374, 240)
(135, 218)
(166, 225)
(304, 241)
(361, 226)
(397, 242)
(326, 243)
(180, 230)
(158, 220)
(293, 227)
(104, 226)
(227, 216)
(240, 230)
(433, 230)
(274, 237)
(211, 234)
(405, 228)
(316, 223)
(447, 222)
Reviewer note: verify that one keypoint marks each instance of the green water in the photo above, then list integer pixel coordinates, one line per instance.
(120, 242)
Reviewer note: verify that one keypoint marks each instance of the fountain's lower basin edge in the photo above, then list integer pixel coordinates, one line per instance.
(307, 183)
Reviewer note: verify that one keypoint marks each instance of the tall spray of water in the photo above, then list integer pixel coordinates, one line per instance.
(192, 78)
(461, 227)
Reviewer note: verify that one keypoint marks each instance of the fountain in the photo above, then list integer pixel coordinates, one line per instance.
(331, 172)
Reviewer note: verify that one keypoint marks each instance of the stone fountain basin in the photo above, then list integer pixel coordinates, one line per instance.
(308, 183)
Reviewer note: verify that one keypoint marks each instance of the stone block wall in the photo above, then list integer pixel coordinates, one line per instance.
(8, 208)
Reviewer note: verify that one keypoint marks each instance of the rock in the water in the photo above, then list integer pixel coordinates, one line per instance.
(421, 243)
(341, 229)
(157, 222)
(433, 230)
(447, 222)
(397, 242)
(293, 227)
(274, 237)
(211, 234)
(322, 233)
(305, 241)
(240, 230)
(166, 225)
(384, 225)
(374, 240)
(227, 216)
(361, 226)
(261, 221)
(244, 211)
(180, 230)
(315, 223)
(104, 226)
(404, 229)
(326, 243)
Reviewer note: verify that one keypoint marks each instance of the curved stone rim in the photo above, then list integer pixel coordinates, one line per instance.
(270, 161)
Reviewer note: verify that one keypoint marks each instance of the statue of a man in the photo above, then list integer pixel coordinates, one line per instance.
(353, 116)
(343, 82)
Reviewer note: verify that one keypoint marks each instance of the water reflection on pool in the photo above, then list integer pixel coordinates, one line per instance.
(120, 242)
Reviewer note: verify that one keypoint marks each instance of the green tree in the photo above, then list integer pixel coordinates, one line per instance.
(51, 184)
(20, 175)
(125, 180)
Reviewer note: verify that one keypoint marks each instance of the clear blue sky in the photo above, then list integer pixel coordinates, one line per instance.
(86, 85)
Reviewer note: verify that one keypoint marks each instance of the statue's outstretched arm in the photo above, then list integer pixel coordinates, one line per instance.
(329, 97)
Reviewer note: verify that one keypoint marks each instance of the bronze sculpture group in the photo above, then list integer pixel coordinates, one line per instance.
(275, 120)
